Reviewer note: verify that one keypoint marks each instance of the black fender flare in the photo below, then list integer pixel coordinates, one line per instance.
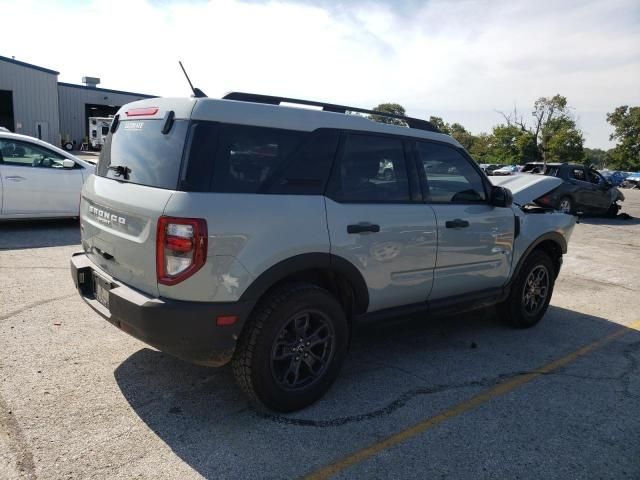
(553, 236)
(310, 261)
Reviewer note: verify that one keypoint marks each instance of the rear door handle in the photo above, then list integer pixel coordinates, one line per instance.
(457, 223)
(15, 178)
(363, 227)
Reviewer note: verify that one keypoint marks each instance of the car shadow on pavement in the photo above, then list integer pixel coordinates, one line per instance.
(16, 235)
(622, 219)
(394, 370)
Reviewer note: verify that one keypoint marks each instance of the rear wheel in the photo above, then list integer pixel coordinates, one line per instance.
(292, 348)
(530, 293)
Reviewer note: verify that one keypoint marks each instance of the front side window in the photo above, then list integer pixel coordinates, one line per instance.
(372, 170)
(29, 155)
(450, 177)
(596, 178)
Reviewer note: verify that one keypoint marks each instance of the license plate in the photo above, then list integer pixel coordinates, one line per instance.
(101, 289)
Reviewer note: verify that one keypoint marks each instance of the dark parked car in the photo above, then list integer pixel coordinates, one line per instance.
(584, 189)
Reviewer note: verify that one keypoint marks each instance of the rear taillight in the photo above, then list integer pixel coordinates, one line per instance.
(544, 201)
(181, 248)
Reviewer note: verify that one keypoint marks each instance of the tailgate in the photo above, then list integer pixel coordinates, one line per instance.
(118, 223)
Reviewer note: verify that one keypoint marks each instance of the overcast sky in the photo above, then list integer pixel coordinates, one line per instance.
(461, 60)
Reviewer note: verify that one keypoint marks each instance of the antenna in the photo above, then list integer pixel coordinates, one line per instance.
(196, 91)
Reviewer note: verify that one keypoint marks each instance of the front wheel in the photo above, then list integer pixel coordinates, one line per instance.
(530, 293)
(292, 348)
(613, 210)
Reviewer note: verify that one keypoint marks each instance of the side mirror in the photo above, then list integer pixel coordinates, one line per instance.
(501, 197)
(66, 163)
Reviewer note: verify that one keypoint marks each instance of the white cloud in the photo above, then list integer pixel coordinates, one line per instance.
(458, 59)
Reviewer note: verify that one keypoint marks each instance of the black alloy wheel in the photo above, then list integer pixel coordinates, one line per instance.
(303, 349)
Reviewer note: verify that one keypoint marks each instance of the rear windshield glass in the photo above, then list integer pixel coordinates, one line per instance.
(138, 152)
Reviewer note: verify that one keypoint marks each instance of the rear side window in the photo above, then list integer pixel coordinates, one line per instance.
(244, 159)
(553, 171)
(150, 157)
(578, 174)
(372, 170)
(248, 157)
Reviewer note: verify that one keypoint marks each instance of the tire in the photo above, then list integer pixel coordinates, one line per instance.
(68, 146)
(274, 363)
(566, 205)
(525, 305)
(613, 210)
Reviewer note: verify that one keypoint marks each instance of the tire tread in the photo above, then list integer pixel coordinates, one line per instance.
(241, 362)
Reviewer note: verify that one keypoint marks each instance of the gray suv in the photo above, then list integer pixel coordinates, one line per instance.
(240, 230)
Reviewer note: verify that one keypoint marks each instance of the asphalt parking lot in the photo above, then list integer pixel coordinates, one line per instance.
(463, 397)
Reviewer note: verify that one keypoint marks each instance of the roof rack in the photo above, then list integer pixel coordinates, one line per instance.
(327, 107)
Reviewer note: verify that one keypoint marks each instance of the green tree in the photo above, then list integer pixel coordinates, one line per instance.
(596, 157)
(554, 130)
(462, 135)
(456, 130)
(626, 123)
(440, 124)
(510, 144)
(563, 141)
(481, 148)
(393, 108)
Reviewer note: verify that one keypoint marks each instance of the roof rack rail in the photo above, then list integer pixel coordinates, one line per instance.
(327, 107)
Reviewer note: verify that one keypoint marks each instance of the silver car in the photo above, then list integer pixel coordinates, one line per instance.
(242, 231)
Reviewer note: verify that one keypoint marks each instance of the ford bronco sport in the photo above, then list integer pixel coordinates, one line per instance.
(244, 231)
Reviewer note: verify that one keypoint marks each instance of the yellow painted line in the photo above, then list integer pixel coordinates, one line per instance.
(474, 402)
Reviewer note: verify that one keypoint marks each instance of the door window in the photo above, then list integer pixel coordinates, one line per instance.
(596, 178)
(578, 174)
(28, 155)
(372, 170)
(450, 177)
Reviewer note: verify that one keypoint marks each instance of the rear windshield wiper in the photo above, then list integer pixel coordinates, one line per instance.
(121, 170)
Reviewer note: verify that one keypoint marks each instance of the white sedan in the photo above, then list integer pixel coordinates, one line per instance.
(507, 170)
(38, 180)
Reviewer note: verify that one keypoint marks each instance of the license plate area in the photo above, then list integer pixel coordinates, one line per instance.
(101, 289)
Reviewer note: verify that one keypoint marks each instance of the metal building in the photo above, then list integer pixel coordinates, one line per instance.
(79, 102)
(29, 99)
(33, 102)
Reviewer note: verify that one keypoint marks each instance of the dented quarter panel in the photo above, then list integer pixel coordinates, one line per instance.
(535, 225)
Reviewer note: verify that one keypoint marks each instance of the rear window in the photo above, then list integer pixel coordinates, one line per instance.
(150, 157)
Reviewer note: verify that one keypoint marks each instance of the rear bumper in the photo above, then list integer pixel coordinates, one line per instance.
(186, 330)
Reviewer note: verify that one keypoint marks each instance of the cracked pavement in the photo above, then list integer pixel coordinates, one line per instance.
(79, 399)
